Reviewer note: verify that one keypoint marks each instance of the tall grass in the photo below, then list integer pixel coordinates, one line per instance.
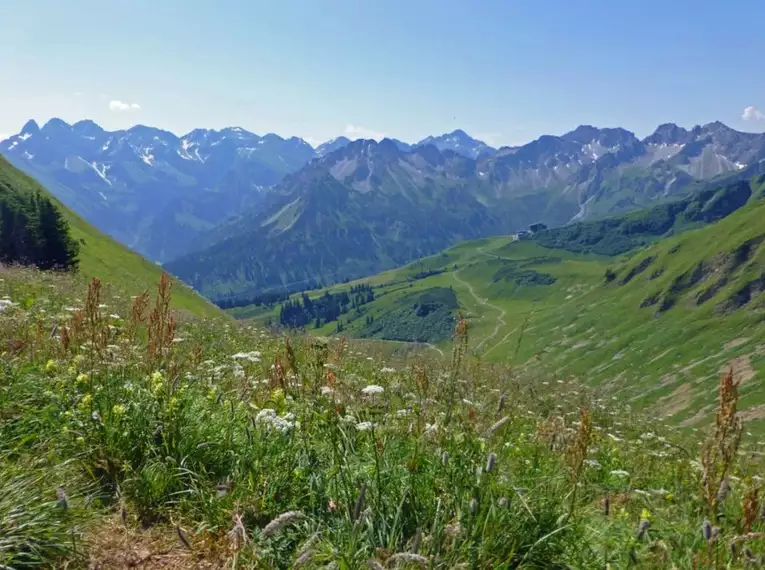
(261, 451)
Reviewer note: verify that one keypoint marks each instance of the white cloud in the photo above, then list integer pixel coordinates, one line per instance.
(752, 114)
(121, 106)
(354, 132)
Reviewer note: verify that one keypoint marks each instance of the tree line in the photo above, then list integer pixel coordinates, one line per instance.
(260, 300)
(301, 312)
(33, 232)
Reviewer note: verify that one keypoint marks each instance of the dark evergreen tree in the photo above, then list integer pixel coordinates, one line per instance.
(57, 249)
(33, 232)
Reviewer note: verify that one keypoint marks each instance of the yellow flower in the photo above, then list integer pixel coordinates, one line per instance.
(80, 440)
(50, 366)
(78, 358)
(277, 396)
(157, 382)
(669, 496)
(645, 515)
(87, 399)
(82, 378)
(118, 410)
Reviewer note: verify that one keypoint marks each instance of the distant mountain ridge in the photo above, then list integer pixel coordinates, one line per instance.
(369, 206)
(153, 190)
(350, 208)
(150, 189)
(461, 143)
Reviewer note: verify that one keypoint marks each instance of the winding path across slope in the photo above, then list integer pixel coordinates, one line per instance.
(485, 302)
(434, 347)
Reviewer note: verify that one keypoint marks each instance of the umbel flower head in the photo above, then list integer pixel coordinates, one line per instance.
(372, 389)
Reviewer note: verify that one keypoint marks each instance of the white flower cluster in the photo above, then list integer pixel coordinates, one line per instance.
(348, 419)
(388, 370)
(271, 421)
(253, 356)
(372, 389)
(6, 303)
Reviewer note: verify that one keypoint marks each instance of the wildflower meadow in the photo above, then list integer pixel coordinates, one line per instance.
(131, 436)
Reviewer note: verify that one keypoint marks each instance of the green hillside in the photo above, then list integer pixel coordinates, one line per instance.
(101, 256)
(120, 447)
(607, 319)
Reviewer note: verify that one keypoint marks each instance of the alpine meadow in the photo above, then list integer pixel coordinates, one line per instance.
(382, 285)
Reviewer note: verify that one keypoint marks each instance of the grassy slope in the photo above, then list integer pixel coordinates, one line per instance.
(582, 326)
(357, 456)
(103, 257)
(673, 358)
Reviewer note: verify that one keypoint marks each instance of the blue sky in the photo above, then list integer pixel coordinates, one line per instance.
(504, 70)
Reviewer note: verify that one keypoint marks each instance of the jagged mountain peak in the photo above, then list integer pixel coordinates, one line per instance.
(87, 128)
(607, 137)
(459, 134)
(299, 142)
(30, 128)
(197, 134)
(388, 147)
(237, 131)
(56, 124)
(717, 126)
(583, 133)
(332, 145)
(668, 133)
(143, 130)
(460, 142)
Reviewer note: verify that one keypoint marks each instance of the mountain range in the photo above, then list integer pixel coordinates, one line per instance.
(148, 188)
(234, 213)
(155, 191)
(370, 206)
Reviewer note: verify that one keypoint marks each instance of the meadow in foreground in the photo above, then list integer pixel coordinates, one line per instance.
(243, 449)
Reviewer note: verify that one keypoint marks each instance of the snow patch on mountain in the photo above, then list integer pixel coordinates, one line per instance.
(101, 171)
